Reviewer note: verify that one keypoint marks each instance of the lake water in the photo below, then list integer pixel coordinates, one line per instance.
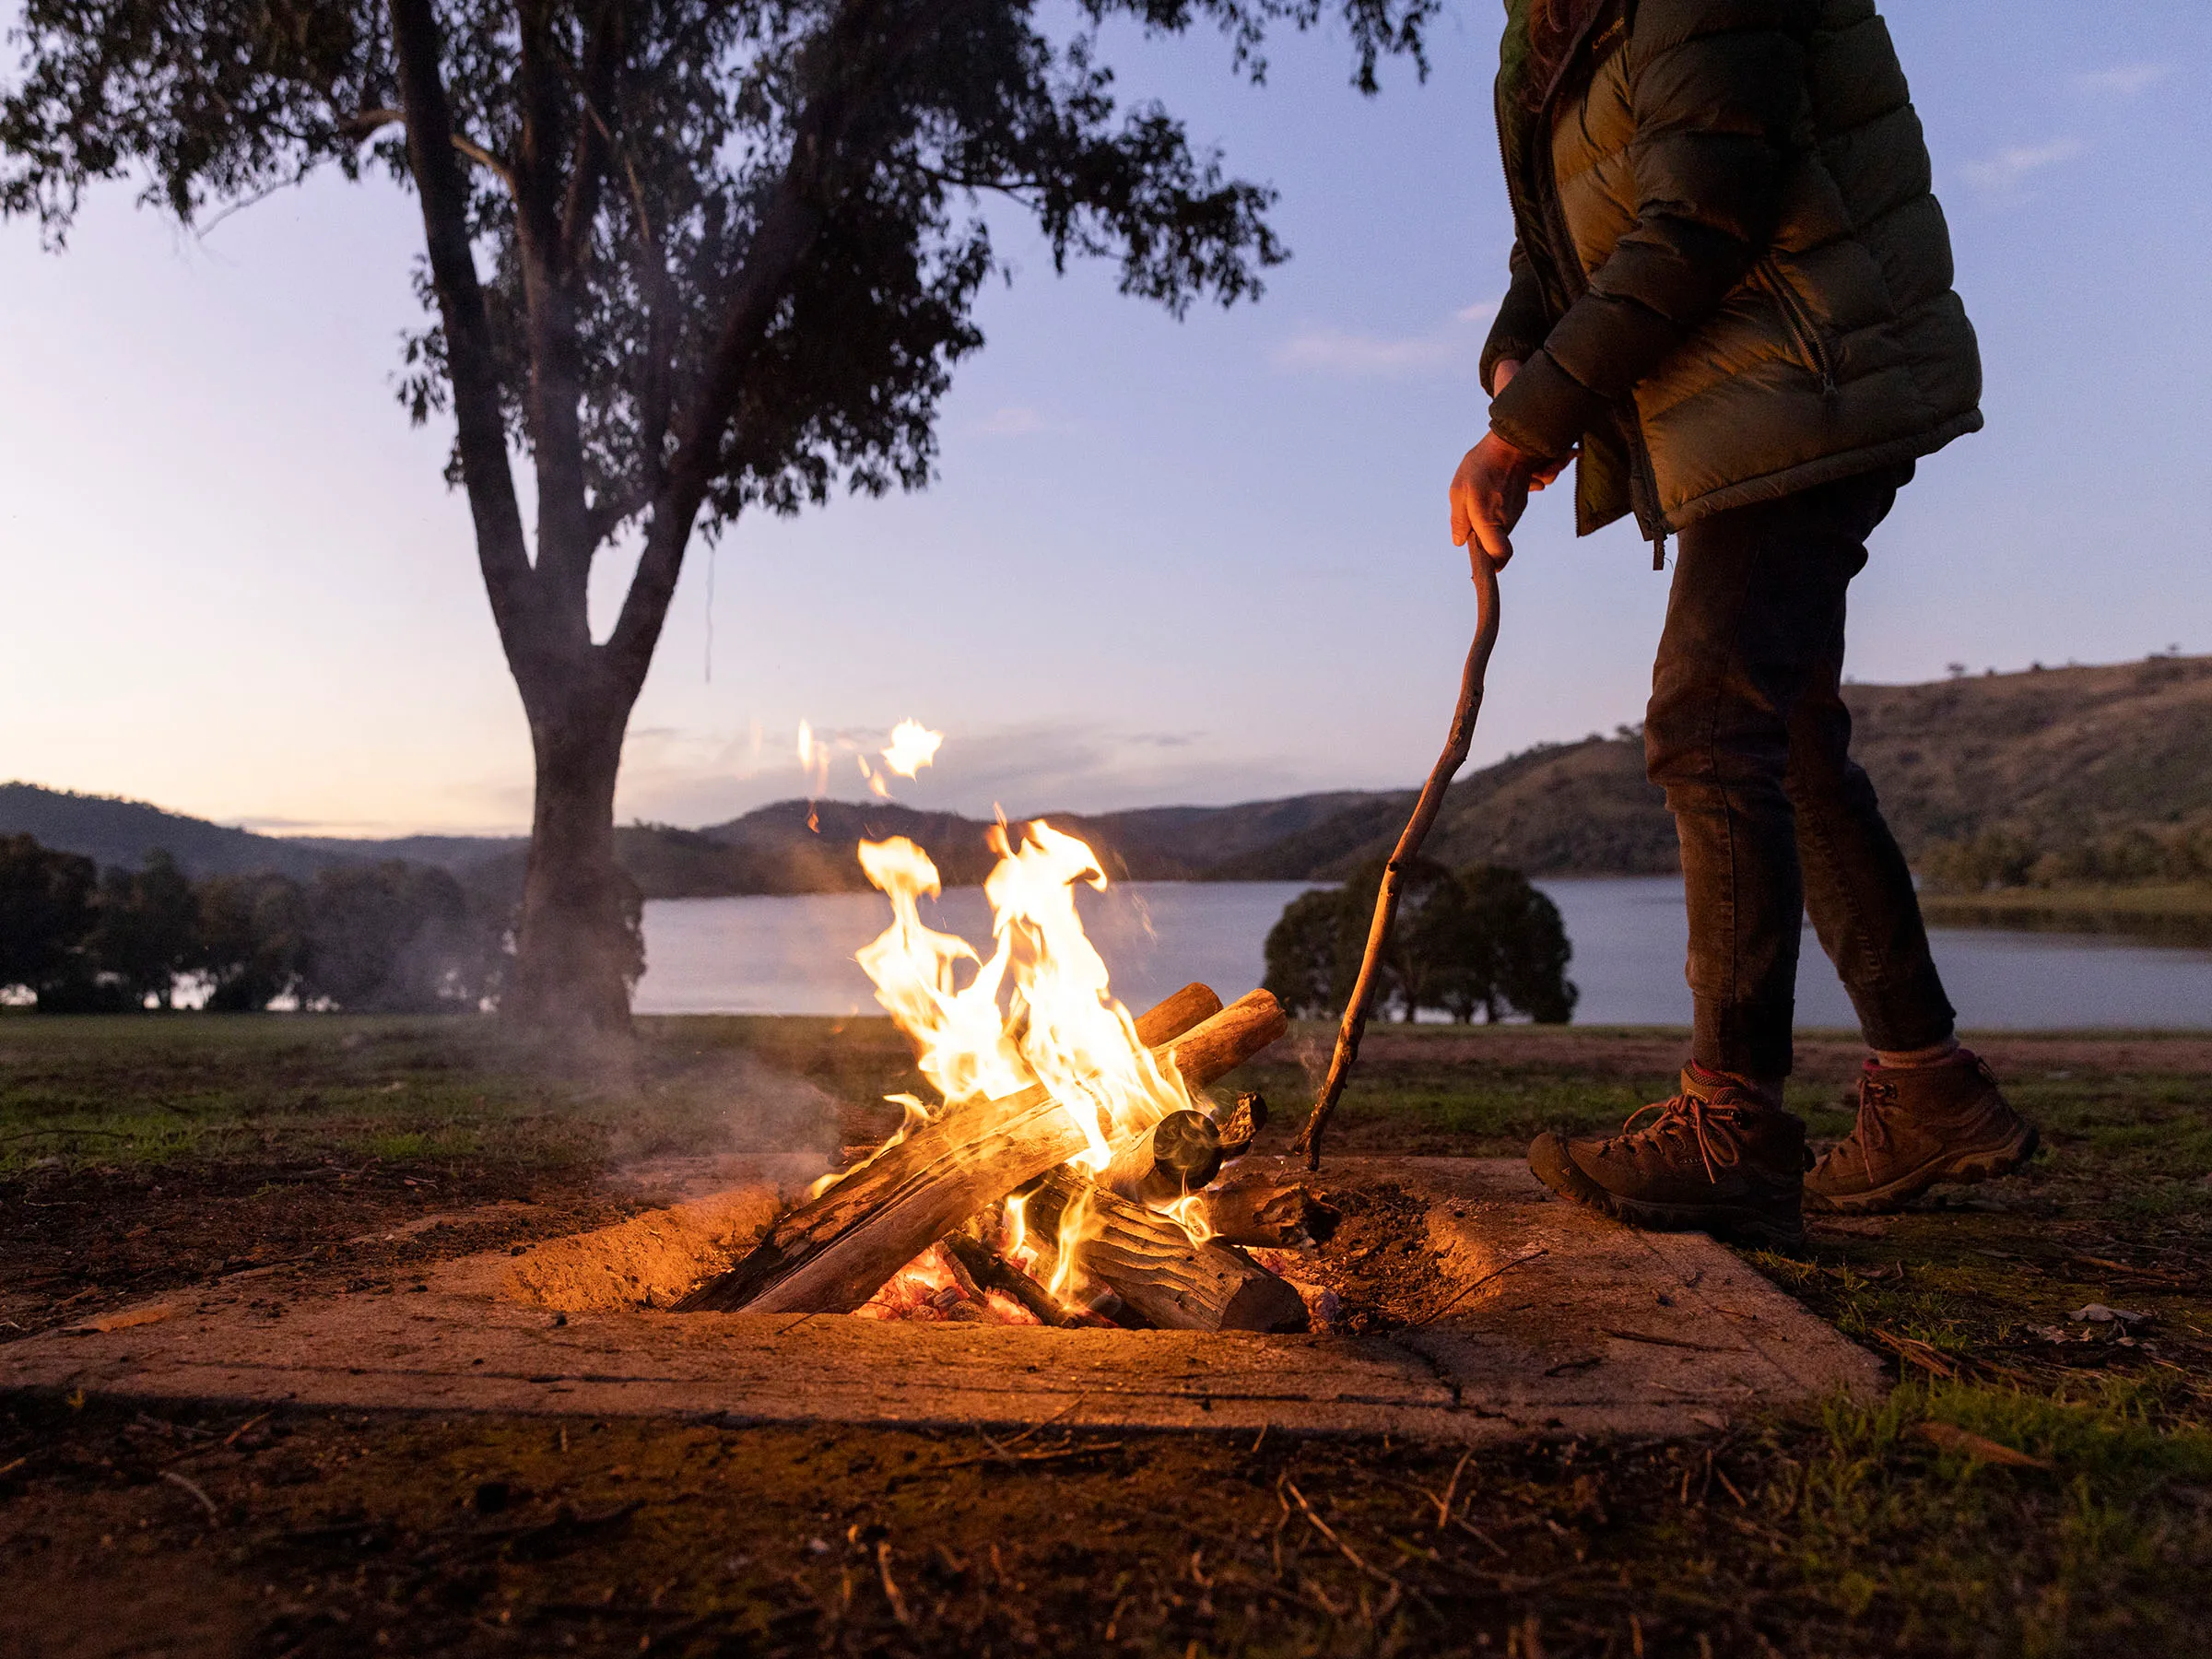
(795, 956)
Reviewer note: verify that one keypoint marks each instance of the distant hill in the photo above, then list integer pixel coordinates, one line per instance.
(2056, 755)
(116, 832)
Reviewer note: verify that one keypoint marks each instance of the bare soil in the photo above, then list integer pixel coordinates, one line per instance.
(185, 1530)
(1380, 1263)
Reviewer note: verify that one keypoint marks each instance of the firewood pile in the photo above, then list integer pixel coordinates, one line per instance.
(1160, 1236)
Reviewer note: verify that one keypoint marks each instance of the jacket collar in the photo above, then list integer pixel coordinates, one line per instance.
(1586, 16)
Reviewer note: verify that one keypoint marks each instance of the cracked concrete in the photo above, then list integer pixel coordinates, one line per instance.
(1566, 1324)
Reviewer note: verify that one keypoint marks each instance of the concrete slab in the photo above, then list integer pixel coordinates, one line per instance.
(1589, 1328)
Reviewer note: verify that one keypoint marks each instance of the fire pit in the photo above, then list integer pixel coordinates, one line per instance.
(1076, 1230)
(1597, 1329)
(1065, 1175)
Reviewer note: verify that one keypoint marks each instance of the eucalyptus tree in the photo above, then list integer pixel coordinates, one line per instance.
(680, 259)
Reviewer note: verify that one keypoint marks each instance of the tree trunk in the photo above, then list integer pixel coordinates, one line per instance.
(575, 953)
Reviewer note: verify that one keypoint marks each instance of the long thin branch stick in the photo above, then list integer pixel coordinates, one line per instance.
(1409, 844)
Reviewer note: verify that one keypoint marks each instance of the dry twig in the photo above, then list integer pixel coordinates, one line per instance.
(214, 1515)
(1467, 1289)
(1409, 844)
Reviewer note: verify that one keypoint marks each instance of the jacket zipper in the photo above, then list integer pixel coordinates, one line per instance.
(1800, 322)
(1555, 217)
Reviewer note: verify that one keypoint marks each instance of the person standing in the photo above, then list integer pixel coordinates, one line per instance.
(1731, 306)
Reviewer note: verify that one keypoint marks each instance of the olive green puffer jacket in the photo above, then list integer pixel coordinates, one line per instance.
(1730, 280)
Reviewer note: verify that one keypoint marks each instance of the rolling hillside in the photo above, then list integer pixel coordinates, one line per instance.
(2055, 755)
(116, 832)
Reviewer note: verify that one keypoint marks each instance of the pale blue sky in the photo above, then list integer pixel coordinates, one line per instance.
(1164, 562)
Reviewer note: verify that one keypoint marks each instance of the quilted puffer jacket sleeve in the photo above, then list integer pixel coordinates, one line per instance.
(1518, 330)
(1716, 88)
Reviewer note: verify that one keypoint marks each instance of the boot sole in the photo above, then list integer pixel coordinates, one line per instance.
(1547, 1160)
(1977, 1164)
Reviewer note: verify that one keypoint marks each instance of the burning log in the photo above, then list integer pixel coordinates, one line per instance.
(1265, 1211)
(1239, 1123)
(833, 1252)
(1149, 1262)
(994, 1272)
(1178, 1155)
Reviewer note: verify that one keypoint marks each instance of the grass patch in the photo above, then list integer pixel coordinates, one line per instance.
(148, 1153)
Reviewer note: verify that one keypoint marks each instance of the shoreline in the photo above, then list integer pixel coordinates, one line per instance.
(2177, 916)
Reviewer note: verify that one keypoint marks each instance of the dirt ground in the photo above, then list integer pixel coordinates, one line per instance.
(2036, 1483)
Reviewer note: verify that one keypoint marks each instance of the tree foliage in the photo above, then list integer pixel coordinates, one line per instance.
(146, 929)
(45, 910)
(685, 256)
(387, 939)
(1481, 939)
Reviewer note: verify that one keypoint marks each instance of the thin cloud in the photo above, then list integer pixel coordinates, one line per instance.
(2002, 174)
(1015, 421)
(1055, 767)
(2122, 80)
(1343, 351)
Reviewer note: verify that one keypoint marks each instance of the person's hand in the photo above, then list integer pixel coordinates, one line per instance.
(1488, 493)
(1482, 475)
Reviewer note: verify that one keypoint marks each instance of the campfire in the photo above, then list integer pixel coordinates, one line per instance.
(1069, 1171)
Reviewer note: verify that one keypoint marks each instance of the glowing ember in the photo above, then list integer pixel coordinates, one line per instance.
(913, 746)
(926, 1289)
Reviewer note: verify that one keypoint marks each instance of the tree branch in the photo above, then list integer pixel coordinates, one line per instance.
(564, 547)
(789, 226)
(362, 122)
(471, 364)
(587, 169)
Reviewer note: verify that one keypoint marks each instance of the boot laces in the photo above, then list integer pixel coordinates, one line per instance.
(1872, 1130)
(1691, 1112)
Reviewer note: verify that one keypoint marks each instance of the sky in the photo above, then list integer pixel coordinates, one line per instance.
(1162, 562)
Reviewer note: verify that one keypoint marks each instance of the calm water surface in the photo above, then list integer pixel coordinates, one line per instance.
(795, 956)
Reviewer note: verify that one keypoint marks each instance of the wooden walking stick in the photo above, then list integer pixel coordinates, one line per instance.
(1409, 844)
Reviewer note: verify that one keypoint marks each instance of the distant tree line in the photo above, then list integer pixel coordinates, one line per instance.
(1475, 940)
(1997, 859)
(389, 938)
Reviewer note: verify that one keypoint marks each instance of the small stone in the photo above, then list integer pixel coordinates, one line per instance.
(2097, 1313)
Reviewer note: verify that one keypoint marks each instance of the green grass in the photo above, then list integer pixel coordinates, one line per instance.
(1844, 1531)
(156, 1090)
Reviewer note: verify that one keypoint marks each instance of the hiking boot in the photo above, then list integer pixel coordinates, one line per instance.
(1719, 1159)
(1920, 1124)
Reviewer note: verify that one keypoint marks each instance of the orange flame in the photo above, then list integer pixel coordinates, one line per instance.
(913, 746)
(1060, 1024)
(1062, 1027)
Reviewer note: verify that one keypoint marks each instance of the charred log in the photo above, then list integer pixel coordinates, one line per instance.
(1240, 1123)
(1149, 1262)
(1265, 1211)
(994, 1272)
(833, 1252)
(1178, 1155)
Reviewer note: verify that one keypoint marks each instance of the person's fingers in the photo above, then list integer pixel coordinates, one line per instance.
(1463, 496)
(1491, 536)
